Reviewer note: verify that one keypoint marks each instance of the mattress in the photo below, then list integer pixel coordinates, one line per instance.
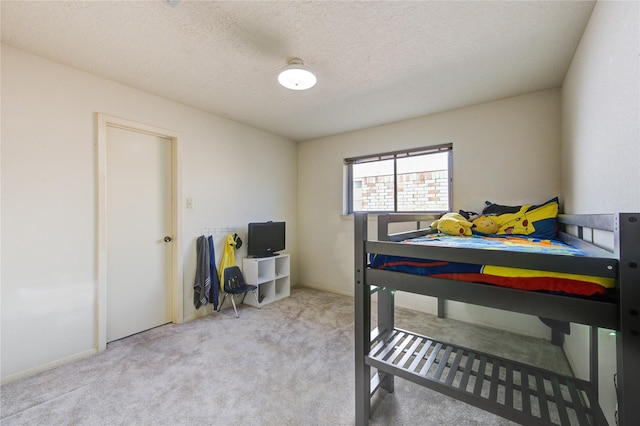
(522, 279)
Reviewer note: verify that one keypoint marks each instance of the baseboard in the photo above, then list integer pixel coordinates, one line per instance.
(47, 366)
(328, 290)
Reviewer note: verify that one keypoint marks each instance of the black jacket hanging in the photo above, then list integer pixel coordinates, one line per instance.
(214, 292)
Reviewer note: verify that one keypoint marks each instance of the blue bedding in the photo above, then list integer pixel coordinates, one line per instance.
(524, 279)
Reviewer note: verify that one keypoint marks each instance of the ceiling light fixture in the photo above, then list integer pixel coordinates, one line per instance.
(296, 76)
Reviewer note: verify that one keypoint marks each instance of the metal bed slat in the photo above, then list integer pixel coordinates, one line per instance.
(390, 345)
(526, 391)
(378, 347)
(495, 376)
(399, 350)
(453, 369)
(432, 357)
(420, 355)
(410, 352)
(577, 404)
(480, 376)
(464, 381)
(560, 402)
(508, 387)
(443, 363)
(541, 393)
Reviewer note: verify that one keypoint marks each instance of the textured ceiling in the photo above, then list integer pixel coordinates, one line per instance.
(376, 62)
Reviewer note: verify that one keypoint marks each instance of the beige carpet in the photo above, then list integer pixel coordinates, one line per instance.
(289, 363)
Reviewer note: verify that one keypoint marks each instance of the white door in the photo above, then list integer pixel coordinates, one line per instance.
(138, 220)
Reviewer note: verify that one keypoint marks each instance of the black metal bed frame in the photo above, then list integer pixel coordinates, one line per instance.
(518, 392)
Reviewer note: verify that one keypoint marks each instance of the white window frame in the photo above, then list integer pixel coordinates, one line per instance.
(395, 155)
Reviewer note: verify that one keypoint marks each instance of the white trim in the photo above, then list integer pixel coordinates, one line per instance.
(48, 366)
(177, 284)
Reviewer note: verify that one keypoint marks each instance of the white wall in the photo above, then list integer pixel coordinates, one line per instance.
(234, 174)
(601, 144)
(506, 151)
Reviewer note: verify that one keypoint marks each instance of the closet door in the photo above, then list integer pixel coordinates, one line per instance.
(138, 198)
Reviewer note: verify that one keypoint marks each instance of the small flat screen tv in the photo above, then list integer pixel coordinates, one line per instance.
(265, 239)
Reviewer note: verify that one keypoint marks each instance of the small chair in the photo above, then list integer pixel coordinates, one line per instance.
(234, 285)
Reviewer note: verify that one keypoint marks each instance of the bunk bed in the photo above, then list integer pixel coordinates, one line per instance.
(510, 389)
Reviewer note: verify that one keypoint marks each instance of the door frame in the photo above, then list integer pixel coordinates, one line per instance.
(177, 285)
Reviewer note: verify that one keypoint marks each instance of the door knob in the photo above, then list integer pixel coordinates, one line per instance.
(167, 239)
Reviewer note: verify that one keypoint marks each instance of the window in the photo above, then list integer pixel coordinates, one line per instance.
(417, 180)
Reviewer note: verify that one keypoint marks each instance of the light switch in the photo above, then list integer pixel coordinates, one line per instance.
(189, 203)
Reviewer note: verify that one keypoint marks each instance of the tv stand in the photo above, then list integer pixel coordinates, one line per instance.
(271, 275)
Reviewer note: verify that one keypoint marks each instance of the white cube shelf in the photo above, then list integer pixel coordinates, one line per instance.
(271, 275)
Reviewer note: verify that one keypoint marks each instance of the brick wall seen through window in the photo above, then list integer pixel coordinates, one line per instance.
(417, 191)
